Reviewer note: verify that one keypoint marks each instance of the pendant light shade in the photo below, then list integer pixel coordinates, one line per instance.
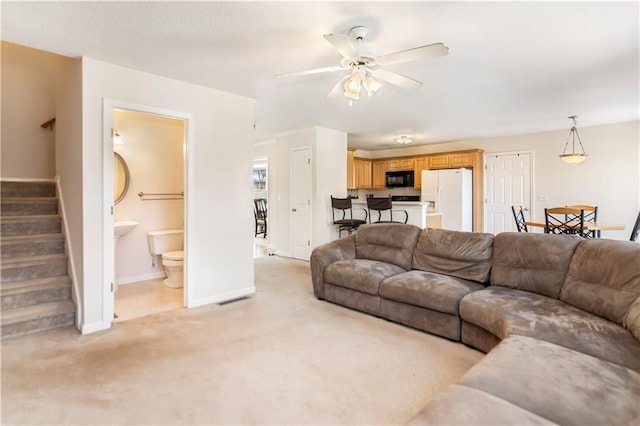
(573, 157)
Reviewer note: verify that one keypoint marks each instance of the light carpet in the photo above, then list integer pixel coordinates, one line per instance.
(279, 357)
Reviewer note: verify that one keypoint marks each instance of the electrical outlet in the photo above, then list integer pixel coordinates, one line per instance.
(541, 197)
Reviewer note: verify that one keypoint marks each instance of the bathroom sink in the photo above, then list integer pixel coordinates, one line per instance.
(123, 227)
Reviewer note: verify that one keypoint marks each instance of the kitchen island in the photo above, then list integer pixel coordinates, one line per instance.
(417, 211)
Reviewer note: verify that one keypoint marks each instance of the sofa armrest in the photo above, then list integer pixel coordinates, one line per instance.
(326, 254)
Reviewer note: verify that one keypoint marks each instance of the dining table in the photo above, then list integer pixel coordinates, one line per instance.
(589, 226)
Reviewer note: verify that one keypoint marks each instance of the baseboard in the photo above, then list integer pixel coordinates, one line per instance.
(282, 253)
(221, 298)
(144, 277)
(17, 179)
(95, 327)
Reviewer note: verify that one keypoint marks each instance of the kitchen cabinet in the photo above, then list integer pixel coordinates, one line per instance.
(450, 161)
(378, 180)
(362, 172)
(400, 164)
(461, 159)
(420, 164)
(439, 161)
(351, 172)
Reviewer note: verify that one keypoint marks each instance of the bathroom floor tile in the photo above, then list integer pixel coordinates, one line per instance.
(145, 298)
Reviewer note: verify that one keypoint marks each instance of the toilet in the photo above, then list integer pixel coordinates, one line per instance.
(169, 244)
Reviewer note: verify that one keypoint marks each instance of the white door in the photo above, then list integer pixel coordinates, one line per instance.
(301, 203)
(507, 182)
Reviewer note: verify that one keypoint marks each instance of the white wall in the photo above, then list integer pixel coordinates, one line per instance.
(219, 255)
(68, 158)
(29, 85)
(608, 178)
(330, 177)
(153, 149)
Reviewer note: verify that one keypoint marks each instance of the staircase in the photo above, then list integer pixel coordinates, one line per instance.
(35, 286)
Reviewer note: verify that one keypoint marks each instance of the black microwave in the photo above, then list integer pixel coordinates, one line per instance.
(401, 178)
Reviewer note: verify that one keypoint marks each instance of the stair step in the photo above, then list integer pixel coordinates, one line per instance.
(27, 189)
(31, 245)
(32, 292)
(30, 225)
(28, 206)
(33, 267)
(31, 319)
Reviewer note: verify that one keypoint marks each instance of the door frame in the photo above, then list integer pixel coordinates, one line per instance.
(532, 174)
(108, 106)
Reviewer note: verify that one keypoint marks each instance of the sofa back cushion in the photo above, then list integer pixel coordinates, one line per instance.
(387, 242)
(465, 255)
(536, 263)
(604, 279)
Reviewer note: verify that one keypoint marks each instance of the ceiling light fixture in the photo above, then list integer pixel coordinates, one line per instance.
(115, 137)
(403, 140)
(360, 77)
(574, 157)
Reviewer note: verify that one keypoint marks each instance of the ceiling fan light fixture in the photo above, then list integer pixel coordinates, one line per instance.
(573, 157)
(403, 140)
(352, 87)
(371, 85)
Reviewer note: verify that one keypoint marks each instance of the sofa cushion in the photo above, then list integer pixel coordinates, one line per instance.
(504, 312)
(632, 320)
(362, 275)
(387, 242)
(438, 292)
(462, 405)
(558, 384)
(536, 263)
(465, 255)
(604, 278)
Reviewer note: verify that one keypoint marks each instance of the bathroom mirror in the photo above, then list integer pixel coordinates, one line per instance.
(120, 177)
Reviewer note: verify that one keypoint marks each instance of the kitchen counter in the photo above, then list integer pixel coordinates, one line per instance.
(418, 212)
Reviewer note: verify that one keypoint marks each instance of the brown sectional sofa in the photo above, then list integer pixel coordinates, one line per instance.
(559, 316)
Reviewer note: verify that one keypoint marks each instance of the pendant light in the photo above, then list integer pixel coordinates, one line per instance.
(573, 157)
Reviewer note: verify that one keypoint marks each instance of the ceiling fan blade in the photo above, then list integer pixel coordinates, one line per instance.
(338, 88)
(309, 72)
(415, 54)
(344, 45)
(397, 79)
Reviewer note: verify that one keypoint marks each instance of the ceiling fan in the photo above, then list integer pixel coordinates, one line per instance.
(363, 64)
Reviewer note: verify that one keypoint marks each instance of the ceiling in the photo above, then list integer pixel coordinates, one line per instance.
(513, 67)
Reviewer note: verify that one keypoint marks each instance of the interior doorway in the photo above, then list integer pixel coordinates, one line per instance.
(508, 181)
(261, 207)
(153, 149)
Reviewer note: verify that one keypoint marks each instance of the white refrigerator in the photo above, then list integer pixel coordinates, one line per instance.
(450, 192)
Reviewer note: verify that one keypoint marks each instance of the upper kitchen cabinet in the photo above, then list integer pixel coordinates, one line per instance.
(453, 160)
(420, 164)
(378, 176)
(351, 171)
(400, 164)
(362, 173)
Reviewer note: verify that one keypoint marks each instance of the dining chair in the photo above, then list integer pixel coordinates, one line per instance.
(260, 215)
(564, 220)
(381, 204)
(343, 208)
(518, 215)
(636, 229)
(590, 215)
